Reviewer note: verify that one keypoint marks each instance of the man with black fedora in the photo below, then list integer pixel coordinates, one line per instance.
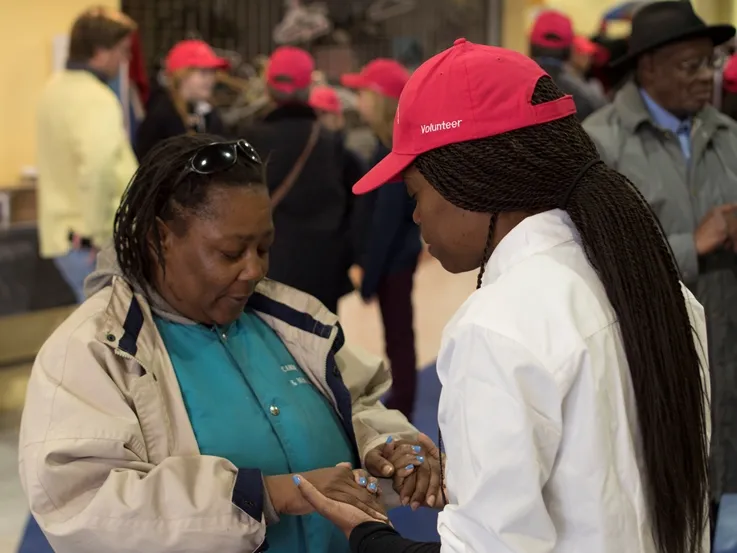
(681, 153)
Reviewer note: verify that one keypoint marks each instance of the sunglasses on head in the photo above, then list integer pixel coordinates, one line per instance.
(221, 156)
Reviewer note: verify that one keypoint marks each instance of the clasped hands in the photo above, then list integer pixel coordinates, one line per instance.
(349, 497)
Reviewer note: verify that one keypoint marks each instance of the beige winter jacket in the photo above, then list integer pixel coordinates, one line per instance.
(108, 458)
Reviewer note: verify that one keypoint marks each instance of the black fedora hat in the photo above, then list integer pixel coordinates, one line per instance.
(660, 23)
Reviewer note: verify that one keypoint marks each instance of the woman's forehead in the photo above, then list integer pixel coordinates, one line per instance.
(240, 206)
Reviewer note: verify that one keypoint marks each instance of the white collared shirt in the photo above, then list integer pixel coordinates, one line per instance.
(537, 409)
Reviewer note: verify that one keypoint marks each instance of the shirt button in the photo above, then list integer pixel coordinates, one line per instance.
(224, 336)
(274, 410)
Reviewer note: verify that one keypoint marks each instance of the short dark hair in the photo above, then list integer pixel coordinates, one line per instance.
(299, 96)
(526, 170)
(562, 54)
(163, 188)
(95, 29)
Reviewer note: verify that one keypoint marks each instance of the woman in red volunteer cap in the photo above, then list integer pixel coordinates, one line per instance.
(575, 396)
(386, 241)
(184, 107)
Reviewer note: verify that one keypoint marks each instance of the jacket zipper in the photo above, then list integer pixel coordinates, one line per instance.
(127, 356)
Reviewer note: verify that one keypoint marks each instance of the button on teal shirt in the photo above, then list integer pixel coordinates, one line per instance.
(250, 403)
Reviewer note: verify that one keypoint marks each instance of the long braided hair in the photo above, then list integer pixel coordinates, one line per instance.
(523, 171)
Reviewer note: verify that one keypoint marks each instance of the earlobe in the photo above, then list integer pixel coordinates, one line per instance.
(165, 235)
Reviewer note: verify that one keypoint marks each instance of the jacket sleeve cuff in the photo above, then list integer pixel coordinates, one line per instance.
(370, 285)
(367, 532)
(270, 514)
(249, 493)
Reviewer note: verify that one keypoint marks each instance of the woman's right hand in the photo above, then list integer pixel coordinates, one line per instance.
(340, 483)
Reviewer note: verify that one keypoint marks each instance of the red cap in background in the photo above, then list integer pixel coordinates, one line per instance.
(289, 69)
(729, 75)
(602, 56)
(325, 98)
(467, 92)
(584, 46)
(193, 54)
(552, 29)
(382, 75)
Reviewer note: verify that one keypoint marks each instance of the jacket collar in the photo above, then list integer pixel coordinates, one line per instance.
(291, 111)
(634, 113)
(77, 66)
(535, 234)
(296, 317)
(309, 331)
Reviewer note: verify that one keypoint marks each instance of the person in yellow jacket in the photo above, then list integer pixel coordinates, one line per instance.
(84, 156)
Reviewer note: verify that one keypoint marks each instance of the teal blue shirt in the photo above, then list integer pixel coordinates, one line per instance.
(250, 403)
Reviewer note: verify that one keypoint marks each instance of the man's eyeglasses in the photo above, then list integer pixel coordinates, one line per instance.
(221, 156)
(694, 66)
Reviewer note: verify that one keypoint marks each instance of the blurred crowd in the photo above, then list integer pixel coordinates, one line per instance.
(659, 104)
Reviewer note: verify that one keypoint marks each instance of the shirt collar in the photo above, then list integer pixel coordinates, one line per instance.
(663, 118)
(535, 234)
(77, 66)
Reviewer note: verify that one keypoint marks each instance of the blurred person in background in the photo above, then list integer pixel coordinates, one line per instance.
(583, 53)
(305, 172)
(387, 243)
(681, 153)
(84, 155)
(551, 44)
(324, 100)
(729, 88)
(184, 106)
(611, 78)
(329, 109)
(167, 413)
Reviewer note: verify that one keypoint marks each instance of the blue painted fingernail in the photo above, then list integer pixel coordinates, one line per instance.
(420, 458)
(389, 440)
(416, 448)
(296, 479)
(362, 481)
(372, 486)
(409, 467)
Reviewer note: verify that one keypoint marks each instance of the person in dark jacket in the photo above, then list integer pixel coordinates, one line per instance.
(386, 240)
(183, 105)
(329, 109)
(310, 216)
(551, 41)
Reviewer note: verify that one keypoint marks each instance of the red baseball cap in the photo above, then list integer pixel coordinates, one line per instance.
(193, 54)
(382, 75)
(729, 75)
(289, 69)
(585, 46)
(467, 92)
(325, 98)
(552, 29)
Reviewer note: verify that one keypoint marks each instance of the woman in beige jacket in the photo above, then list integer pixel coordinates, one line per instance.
(169, 411)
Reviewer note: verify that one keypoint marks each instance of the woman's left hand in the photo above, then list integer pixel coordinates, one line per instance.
(414, 467)
(344, 516)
